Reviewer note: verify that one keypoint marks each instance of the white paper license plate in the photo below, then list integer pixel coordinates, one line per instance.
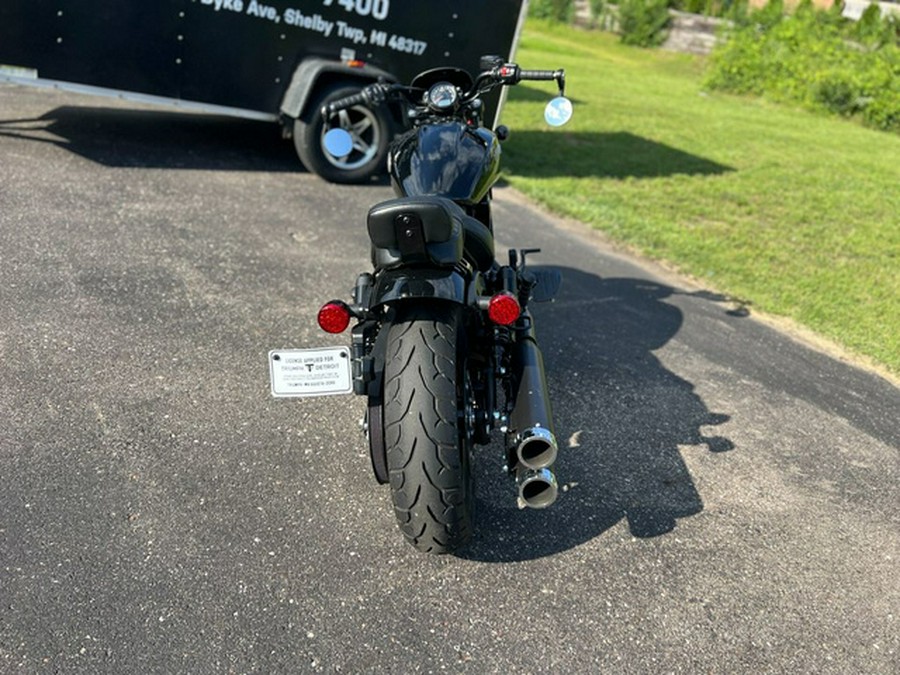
(310, 372)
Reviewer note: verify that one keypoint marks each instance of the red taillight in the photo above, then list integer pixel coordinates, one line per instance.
(334, 317)
(504, 309)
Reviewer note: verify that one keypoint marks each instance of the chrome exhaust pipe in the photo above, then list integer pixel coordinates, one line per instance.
(536, 448)
(537, 488)
(531, 420)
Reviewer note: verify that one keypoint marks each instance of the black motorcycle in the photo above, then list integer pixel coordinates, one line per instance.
(444, 346)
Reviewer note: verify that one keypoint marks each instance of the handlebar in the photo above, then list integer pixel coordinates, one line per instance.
(559, 76)
(541, 74)
(343, 103)
(370, 94)
(510, 73)
(507, 74)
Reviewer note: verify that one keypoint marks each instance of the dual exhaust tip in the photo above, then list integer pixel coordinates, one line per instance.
(537, 487)
(536, 451)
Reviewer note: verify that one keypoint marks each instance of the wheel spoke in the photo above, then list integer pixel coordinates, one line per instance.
(365, 132)
(361, 126)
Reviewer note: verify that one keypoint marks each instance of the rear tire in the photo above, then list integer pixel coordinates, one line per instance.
(428, 449)
(369, 127)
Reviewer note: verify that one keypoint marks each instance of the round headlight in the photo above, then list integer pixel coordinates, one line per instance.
(442, 96)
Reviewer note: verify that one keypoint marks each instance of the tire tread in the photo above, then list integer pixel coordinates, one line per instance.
(427, 456)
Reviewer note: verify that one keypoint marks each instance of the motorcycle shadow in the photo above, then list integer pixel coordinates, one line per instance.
(620, 416)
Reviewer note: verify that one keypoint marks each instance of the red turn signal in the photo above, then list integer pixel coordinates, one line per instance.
(334, 317)
(504, 309)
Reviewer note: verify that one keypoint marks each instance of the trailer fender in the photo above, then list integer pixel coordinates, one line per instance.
(314, 71)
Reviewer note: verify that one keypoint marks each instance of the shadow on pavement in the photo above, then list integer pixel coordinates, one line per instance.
(160, 139)
(623, 462)
(140, 138)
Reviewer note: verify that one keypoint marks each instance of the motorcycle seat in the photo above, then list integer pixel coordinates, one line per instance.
(441, 219)
(435, 214)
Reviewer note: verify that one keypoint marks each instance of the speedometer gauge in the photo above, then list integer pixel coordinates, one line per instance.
(442, 96)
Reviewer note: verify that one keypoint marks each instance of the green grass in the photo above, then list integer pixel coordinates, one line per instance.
(795, 212)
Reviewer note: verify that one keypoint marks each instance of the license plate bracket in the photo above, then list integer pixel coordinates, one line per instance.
(323, 371)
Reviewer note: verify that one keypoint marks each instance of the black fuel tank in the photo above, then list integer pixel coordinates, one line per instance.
(450, 160)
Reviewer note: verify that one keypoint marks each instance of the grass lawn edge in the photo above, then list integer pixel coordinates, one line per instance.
(670, 273)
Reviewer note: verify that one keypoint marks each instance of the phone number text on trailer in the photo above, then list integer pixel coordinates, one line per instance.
(377, 9)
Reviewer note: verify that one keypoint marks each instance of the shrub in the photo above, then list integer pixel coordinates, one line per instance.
(718, 8)
(605, 15)
(873, 30)
(643, 22)
(815, 58)
(555, 10)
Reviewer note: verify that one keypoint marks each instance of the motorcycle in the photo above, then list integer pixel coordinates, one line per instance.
(444, 344)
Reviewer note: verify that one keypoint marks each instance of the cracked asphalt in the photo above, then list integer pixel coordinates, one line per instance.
(729, 496)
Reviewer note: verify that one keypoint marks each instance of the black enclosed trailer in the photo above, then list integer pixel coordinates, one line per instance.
(271, 60)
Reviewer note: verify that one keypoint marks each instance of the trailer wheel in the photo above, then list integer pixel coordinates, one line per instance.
(369, 128)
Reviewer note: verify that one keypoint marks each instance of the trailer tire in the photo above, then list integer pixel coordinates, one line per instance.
(370, 128)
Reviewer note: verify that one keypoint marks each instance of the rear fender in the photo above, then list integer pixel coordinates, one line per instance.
(400, 285)
(390, 289)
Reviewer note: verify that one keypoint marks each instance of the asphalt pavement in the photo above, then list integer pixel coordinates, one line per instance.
(729, 498)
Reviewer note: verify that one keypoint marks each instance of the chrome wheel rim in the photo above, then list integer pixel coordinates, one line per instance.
(362, 125)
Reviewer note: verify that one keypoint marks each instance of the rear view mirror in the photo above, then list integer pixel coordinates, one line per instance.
(558, 111)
